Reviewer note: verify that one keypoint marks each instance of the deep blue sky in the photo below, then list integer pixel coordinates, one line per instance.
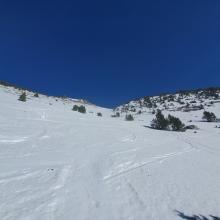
(110, 51)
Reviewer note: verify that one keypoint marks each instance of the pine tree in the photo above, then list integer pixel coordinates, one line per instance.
(75, 108)
(209, 116)
(99, 114)
(160, 122)
(147, 102)
(129, 117)
(117, 114)
(23, 97)
(82, 109)
(175, 123)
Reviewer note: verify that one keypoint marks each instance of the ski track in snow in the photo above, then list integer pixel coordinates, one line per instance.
(13, 140)
(157, 159)
(65, 172)
(26, 195)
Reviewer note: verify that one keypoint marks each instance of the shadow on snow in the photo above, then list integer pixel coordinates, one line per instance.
(196, 217)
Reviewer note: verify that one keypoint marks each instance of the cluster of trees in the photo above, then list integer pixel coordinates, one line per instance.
(209, 116)
(4, 83)
(180, 97)
(128, 117)
(147, 102)
(81, 108)
(23, 96)
(170, 123)
(212, 91)
(160, 122)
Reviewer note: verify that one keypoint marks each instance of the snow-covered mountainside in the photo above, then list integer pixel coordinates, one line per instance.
(185, 101)
(59, 164)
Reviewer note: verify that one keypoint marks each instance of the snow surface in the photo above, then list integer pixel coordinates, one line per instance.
(56, 164)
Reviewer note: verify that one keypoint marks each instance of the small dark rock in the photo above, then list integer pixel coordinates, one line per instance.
(191, 127)
(50, 170)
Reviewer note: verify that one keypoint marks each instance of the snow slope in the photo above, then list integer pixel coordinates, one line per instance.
(56, 164)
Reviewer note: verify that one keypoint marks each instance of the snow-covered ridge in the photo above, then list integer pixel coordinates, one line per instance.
(18, 90)
(10, 93)
(183, 101)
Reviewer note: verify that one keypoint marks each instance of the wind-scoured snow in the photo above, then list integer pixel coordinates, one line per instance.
(57, 164)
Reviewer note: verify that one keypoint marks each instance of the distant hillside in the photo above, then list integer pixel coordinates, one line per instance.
(20, 88)
(185, 100)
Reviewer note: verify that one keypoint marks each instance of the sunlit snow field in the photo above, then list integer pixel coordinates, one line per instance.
(56, 164)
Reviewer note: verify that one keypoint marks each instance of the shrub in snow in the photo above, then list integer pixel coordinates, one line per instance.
(129, 117)
(75, 108)
(201, 106)
(117, 115)
(139, 112)
(147, 102)
(171, 98)
(171, 123)
(175, 123)
(99, 114)
(160, 122)
(36, 95)
(209, 116)
(82, 109)
(23, 97)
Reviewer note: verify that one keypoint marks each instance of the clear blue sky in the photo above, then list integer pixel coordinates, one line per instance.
(110, 51)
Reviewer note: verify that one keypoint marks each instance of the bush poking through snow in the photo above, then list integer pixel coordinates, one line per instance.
(171, 123)
(36, 95)
(81, 108)
(160, 122)
(139, 112)
(147, 102)
(175, 123)
(99, 114)
(209, 116)
(117, 115)
(23, 97)
(75, 108)
(129, 117)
